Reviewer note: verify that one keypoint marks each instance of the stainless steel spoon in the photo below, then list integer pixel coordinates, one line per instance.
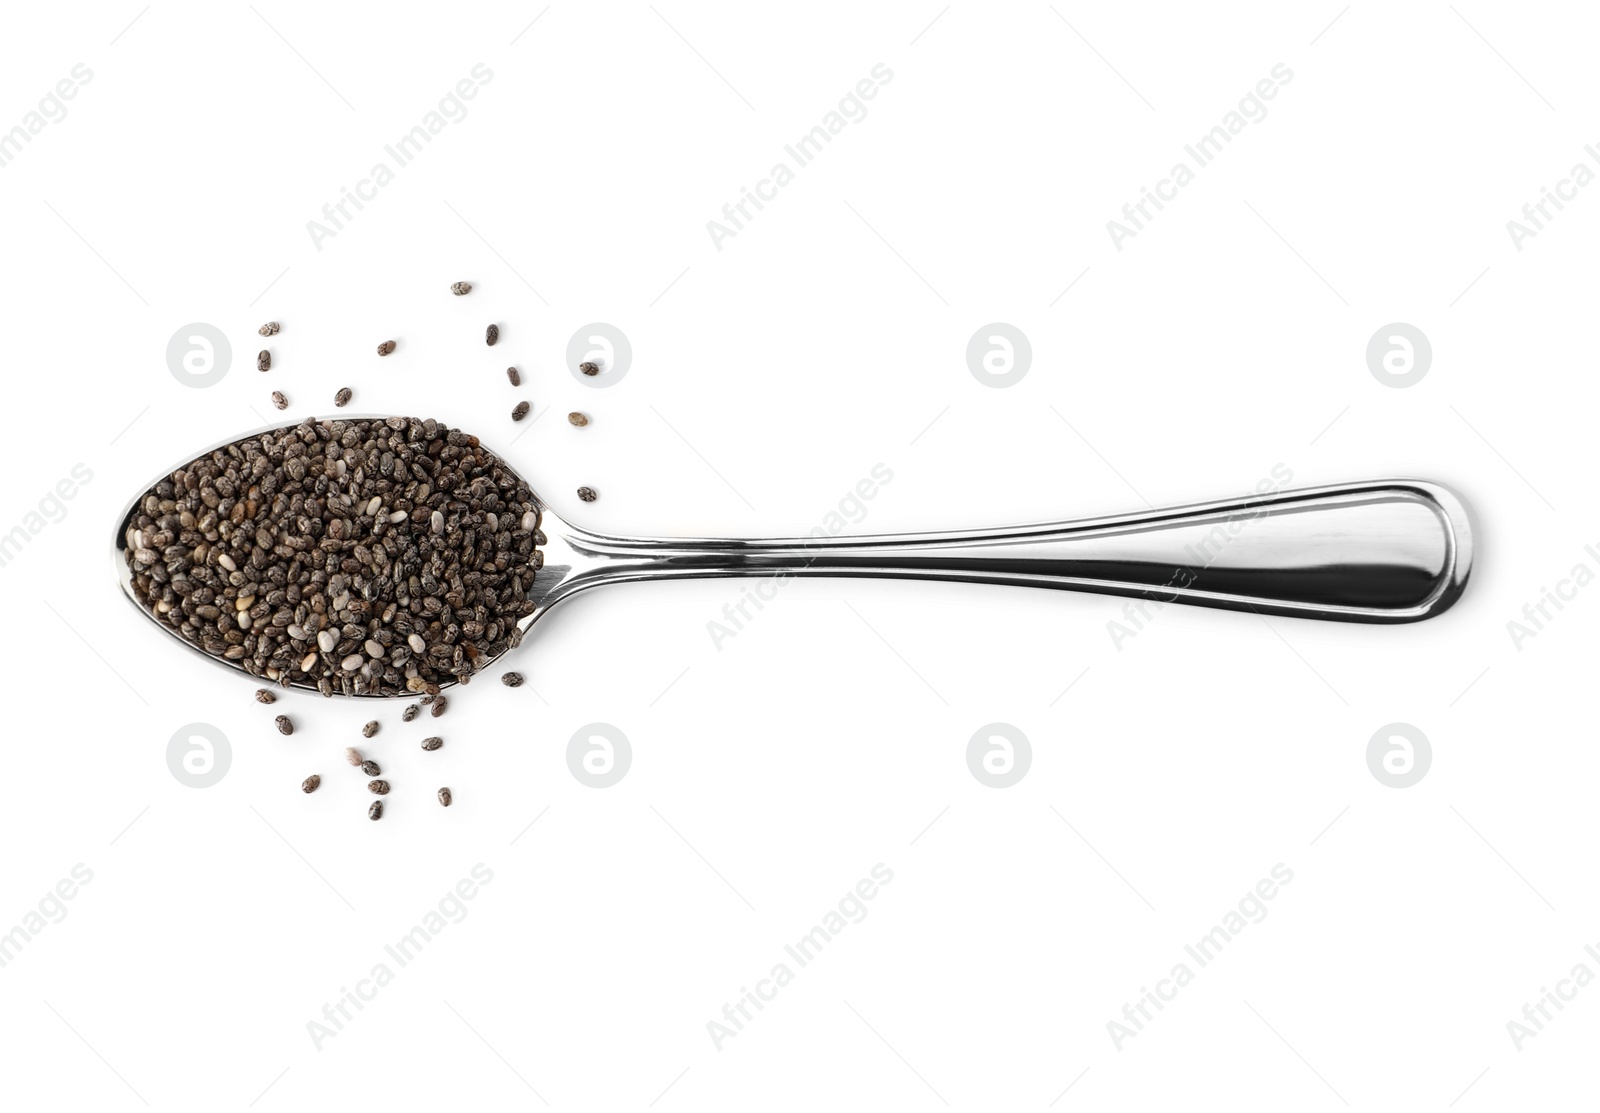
(1381, 551)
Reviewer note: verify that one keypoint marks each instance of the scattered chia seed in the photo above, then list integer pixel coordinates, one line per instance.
(376, 811)
(308, 556)
(431, 744)
(578, 419)
(279, 400)
(491, 334)
(514, 375)
(589, 368)
(512, 680)
(378, 788)
(263, 360)
(269, 329)
(444, 797)
(284, 725)
(386, 347)
(459, 288)
(438, 707)
(310, 783)
(370, 768)
(352, 755)
(265, 696)
(520, 412)
(342, 397)
(411, 712)
(370, 729)
(587, 494)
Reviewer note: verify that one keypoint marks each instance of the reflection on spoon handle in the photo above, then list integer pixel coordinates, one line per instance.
(1390, 551)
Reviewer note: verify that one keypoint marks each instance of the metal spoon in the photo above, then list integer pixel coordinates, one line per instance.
(1380, 551)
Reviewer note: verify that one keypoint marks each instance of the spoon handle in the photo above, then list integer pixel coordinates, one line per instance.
(1383, 551)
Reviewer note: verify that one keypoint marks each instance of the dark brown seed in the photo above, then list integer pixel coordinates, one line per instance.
(459, 288)
(411, 712)
(589, 368)
(264, 696)
(432, 743)
(264, 360)
(520, 412)
(310, 783)
(427, 699)
(342, 397)
(370, 729)
(370, 768)
(378, 788)
(512, 680)
(386, 347)
(376, 811)
(284, 725)
(438, 707)
(578, 419)
(587, 494)
(491, 334)
(514, 375)
(279, 400)
(444, 797)
(269, 329)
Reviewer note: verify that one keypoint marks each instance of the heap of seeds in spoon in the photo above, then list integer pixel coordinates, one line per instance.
(364, 557)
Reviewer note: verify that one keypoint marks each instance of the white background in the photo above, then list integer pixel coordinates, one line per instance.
(771, 774)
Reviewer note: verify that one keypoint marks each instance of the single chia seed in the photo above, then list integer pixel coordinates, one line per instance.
(353, 755)
(520, 412)
(263, 360)
(263, 695)
(370, 768)
(342, 397)
(491, 334)
(578, 419)
(378, 788)
(370, 729)
(587, 494)
(386, 347)
(444, 797)
(438, 707)
(589, 368)
(411, 712)
(459, 288)
(310, 783)
(431, 744)
(514, 375)
(284, 725)
(376, 811)
(279, 400)
(269, 329)
(512, 680)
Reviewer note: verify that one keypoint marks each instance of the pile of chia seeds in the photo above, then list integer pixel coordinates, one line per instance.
(364, 557)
